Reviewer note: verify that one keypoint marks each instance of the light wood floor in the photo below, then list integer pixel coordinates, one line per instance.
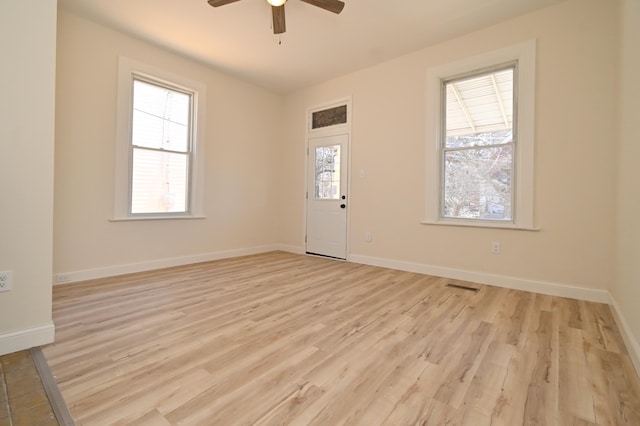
(287, 339)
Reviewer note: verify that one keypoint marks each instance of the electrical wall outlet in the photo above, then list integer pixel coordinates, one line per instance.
(367, 237)
(495, 247)
(5, 280)
(62, 278)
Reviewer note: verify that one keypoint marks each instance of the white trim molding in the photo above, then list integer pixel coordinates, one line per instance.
(335, 129)
(525, 55)
(524, 284)
(632, 344)
(130, 268)
(530, 285)
(127, 69)
(534, 286)
(37, 336)
(27, 338)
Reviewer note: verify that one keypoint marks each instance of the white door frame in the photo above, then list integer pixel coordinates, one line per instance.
(341, 129)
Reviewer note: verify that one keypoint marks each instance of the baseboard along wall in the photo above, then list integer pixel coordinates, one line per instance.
(131, 268)
(633, 346)
(27, 338)
(534, 286)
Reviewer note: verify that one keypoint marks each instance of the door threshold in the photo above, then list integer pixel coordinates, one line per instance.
(325, 256)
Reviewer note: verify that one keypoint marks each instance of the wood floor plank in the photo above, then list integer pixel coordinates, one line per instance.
(540, 406)
(462, 364)
(284, 339)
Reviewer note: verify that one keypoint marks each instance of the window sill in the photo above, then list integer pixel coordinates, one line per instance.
(154, 217)
(481, 224)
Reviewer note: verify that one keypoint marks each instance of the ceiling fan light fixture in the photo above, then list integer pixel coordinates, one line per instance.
(277, 10)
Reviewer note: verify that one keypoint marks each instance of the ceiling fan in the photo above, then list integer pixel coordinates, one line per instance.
(277, 9)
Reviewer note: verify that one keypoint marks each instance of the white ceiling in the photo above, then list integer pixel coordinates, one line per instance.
(318, 45)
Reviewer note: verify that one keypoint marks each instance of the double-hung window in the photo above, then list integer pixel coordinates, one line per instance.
(478, 145)
(159, 155)
(480, 148)
(160, 147)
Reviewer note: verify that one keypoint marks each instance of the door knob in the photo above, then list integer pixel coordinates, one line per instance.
(343, 206)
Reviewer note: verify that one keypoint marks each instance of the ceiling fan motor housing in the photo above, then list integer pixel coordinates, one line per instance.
(277, 10)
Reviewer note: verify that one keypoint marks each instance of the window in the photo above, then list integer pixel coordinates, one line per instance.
(480, 115)
(160, 148)
(478, 145)
(159, 152)
(329, 118)
(327, 174)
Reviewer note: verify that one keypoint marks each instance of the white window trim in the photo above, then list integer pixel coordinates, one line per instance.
(127, 68)
(333, 129)
(525, 54)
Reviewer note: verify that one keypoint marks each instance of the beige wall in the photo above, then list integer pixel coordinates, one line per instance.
(626, 291)
(575, 164)
(255, 158)
(27, 83)
(242, 128)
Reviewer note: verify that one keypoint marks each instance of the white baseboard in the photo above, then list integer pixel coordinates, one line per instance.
(633, 347)
(27, 338)
(542, 287)
(130, 268)
(37, 336)
(550, 288)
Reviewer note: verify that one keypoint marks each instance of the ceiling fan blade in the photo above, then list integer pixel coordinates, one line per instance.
(216, 3)
(334, 6)
(279, 25)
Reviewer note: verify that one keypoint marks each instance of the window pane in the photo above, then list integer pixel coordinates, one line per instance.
(327, 180)
(479, 110)
(160, 117)
(478, 183)
(329, 117)
(159, 182)
(480, 139)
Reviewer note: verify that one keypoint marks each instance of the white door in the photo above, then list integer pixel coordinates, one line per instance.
(327, 200)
